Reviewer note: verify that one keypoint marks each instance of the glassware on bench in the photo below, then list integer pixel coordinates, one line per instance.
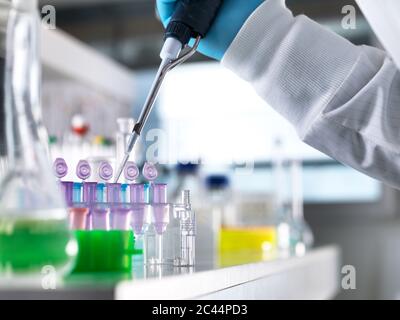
(33, 220)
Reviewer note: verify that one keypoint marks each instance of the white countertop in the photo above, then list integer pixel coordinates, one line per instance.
(313, 276)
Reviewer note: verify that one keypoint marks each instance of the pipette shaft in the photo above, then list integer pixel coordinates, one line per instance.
(192, 19)
(148, 106)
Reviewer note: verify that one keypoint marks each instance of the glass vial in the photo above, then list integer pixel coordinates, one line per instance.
(185, 256)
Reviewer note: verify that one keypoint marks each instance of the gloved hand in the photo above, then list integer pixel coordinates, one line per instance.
(230, 19)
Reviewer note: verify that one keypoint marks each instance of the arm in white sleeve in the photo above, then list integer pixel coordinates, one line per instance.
(343, 99)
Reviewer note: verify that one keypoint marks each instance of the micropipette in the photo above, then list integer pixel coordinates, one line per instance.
(191, 19)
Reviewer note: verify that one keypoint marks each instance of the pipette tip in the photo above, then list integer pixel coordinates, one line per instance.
(121, 167)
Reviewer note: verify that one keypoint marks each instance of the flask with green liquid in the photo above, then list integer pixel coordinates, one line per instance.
(34, 232)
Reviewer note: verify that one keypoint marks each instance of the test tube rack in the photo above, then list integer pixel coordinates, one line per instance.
(114, 221)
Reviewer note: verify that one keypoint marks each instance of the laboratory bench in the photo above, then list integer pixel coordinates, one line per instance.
(312, 276)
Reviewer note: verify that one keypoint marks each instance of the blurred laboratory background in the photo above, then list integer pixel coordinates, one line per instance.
(246, 162)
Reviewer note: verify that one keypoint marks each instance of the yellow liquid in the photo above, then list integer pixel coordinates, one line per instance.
(246, 245)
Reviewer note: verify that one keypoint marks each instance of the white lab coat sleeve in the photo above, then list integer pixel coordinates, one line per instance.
(343, 99)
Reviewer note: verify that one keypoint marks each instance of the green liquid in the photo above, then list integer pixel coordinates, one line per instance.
(105, 251)
(27, 245)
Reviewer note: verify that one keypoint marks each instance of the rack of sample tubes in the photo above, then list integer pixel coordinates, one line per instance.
(129, 218)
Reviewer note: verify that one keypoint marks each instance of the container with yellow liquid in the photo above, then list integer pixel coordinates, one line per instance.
(239, 245)
(248, 234)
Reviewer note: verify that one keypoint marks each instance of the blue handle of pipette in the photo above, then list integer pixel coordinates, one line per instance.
(192, 18)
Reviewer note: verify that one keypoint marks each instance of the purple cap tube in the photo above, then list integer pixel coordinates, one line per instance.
(150, 171)
(60, 168)
(131, 171)
(90, 192)
(67, 190)
(77, 192)
(159, 193)
(124, 193)
(160, 208)
(106, 171)
(120, 216)
(89, 198)
(139, 208)
(113, 192)
(137, 193)
(83, 170)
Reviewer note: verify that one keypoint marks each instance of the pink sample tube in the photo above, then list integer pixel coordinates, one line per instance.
(78, 218)
(89, 198)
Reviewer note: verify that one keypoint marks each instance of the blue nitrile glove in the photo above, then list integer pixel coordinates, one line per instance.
(230, 19)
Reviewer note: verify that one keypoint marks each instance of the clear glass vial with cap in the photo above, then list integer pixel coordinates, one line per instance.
(34, 229)
(185, 243)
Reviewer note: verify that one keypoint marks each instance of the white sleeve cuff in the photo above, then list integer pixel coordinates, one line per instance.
(267, 24)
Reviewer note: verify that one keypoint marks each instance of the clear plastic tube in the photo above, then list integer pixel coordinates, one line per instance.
(187, 232)
(302, 236)
(160, 218)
